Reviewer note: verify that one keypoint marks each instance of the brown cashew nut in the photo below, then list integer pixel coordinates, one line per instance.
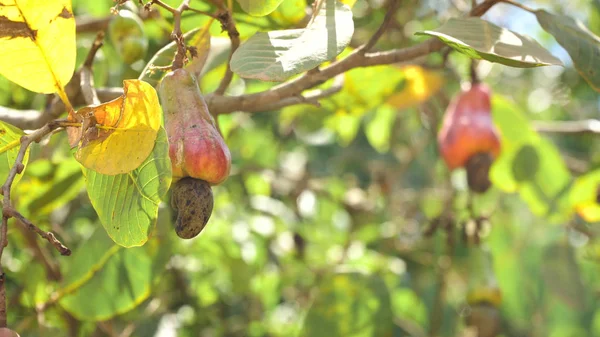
(192, 199)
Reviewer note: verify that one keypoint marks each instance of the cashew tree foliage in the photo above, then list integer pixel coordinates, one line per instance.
(299, 168)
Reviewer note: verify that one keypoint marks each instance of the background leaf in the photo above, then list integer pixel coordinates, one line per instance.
(582, 45)
(481, 39)
(277, 55)
(38, 51)
(127, 204)
(114, 279)
(547, 188)
(420, 85)
(259, 7)
(350, 304)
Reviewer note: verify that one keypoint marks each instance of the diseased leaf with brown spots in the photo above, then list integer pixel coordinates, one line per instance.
(37, 44)
(117, 136)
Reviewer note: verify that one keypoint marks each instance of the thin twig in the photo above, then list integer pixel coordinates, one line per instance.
(587, 126)
(473, 69)
(188, 8)
(161, 4)
(516, 4)
(227, 24)
(87, 77)
(389, 16)
(483, 7)
(41, 254)
(8, 211)
(49, 236)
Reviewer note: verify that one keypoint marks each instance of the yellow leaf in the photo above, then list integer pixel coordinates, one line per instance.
(491, 295)
(122, 132)
(421, 84)
(349, 3)
(37, 44)
(590, 212)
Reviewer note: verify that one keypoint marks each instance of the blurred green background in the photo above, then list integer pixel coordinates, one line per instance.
(324, 226)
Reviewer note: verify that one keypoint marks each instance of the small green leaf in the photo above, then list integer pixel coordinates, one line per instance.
(277, 55)
(581, 44)
(259, 7)
(10, 143)
(480, 39)
(39, 196)
(379, 129)
(114, 279)
(350, 305)
(127, 204)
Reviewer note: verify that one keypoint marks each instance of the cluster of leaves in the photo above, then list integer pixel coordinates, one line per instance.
(319, 231)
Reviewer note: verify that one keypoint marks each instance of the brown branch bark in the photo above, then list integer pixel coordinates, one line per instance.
(587, 126)
(257, 102)
(389, 17)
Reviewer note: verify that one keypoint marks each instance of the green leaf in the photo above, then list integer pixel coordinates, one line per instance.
(581, 44)
(379, 129)
(10, 142)
(198, 38)
(113, 279)
(277, 55)
(480, 39)
(39, 196)
(259, 7)
(546, 188)
(127, 204)
(562, 277)
(350, 305)
(584, 196)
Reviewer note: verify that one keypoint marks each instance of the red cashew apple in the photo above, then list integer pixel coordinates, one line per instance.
(199, 156)
(196, 147)
(468, 128)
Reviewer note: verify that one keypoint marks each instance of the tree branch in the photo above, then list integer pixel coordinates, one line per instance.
(288, 92)
(587, 126)
(389, 16)
(256, 102)
(312, 97)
